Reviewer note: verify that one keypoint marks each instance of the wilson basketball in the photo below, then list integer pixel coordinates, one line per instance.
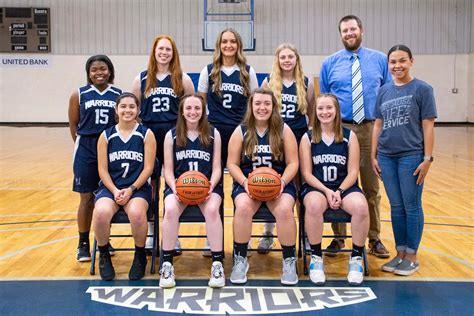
(264, 184)
(192, 187)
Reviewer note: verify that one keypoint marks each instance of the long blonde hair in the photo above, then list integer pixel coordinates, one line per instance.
(275, 128)
(240, 60)
(276, 84)
(203, 125)
(316, 133)
(174, 68)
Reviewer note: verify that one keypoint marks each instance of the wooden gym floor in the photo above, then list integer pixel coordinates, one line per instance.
(38, 232)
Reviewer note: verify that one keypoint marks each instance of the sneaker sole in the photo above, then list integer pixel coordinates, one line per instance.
(241, 281)
(406, 273)
(288, 282)
(84, 259)
(317, 283)
(217, 285)
(167, 286)
(355, 283)
(388, 269)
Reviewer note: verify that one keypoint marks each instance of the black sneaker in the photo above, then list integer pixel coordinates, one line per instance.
(334, 247)
(137, 271)
(111, 250)
(83, 252)
(106, 269)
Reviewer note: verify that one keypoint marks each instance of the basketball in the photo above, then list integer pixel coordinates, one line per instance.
(192, 187)
(264, 184)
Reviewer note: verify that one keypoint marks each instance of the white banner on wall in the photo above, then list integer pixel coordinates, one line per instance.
(24, 61)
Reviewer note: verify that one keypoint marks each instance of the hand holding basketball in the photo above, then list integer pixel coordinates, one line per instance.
(192, 188)
(264, 184)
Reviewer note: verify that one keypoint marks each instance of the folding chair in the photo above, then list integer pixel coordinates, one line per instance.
(121, 218)
(192, 215)
(330, 216)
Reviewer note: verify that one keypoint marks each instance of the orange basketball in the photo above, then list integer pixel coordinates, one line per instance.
(192, 187)
(264, 184)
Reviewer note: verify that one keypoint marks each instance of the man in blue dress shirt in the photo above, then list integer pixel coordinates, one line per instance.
(355, 74)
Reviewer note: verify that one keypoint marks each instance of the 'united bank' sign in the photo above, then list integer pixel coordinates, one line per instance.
(232, 300)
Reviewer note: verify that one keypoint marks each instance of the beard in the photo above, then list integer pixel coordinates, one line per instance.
(355, 46)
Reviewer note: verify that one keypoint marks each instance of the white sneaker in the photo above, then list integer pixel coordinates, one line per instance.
(177, 248)
(207, 252)
(149, 240)
(316, 270)
(356, 271)
(239, 270)
(217, 275)
(167, 275)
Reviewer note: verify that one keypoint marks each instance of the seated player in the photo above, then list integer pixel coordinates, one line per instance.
(126, 157)
(329, 157)
(263, 140)
(192, 145)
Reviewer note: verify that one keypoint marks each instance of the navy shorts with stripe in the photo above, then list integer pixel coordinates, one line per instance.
(144, 192)
(85, 169)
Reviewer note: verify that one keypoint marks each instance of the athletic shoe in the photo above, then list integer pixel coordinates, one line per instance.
(377, 249)
(167, 275)
(289, 275)
(217, 275)
(83, 252)
(177, 248)
(265, 244)
(356, 271)
(392, 264)
(407, 267)
(137, 271)
(111, 250)
(316, 270)
(334, 247)
(239, 270)
(106, 269)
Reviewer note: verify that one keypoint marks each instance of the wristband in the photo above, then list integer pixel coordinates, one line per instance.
(133, 188)
(341, 191)
(429, 158)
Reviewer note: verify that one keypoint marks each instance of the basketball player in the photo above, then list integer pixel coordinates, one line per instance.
(226, 85)
(295, 95)
(158, 89)
(126, 157)
(193, 146)
(91, 111)
(263, 140)
(329, 157)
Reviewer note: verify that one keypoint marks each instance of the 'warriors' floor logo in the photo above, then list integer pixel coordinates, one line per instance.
(234, 300)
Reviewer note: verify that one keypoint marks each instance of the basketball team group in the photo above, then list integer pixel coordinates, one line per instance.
(372, 119)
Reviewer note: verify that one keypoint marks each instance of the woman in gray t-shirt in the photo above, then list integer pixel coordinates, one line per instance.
(402, 147)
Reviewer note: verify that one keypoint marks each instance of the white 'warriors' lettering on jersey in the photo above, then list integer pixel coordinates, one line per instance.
(289, 98)
(105, 103)
(266, 149)
(329, 158)
(162, 91)
(232, 87)
(191, 153)
(125, 154)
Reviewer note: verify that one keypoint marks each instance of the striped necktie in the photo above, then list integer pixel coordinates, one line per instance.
(357, 93)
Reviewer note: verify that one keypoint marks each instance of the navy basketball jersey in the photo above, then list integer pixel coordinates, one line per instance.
(96, 109)
(194, 156)
(126, 156)
(230, 107)
(330, 161)
(262, 157)
(161, 104)
(289, 107)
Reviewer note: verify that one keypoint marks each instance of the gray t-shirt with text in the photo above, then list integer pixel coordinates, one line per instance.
(402, 109)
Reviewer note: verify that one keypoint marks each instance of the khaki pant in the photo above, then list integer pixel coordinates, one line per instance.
(368, 180)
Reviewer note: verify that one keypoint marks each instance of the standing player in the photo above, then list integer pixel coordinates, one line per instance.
(329, 157)
(295, 95)
(91, 111)
(159, 89)
(126, 155)
(193, 145)
(354, 75)
(226, 85)
(263, 140)
(402, 148)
